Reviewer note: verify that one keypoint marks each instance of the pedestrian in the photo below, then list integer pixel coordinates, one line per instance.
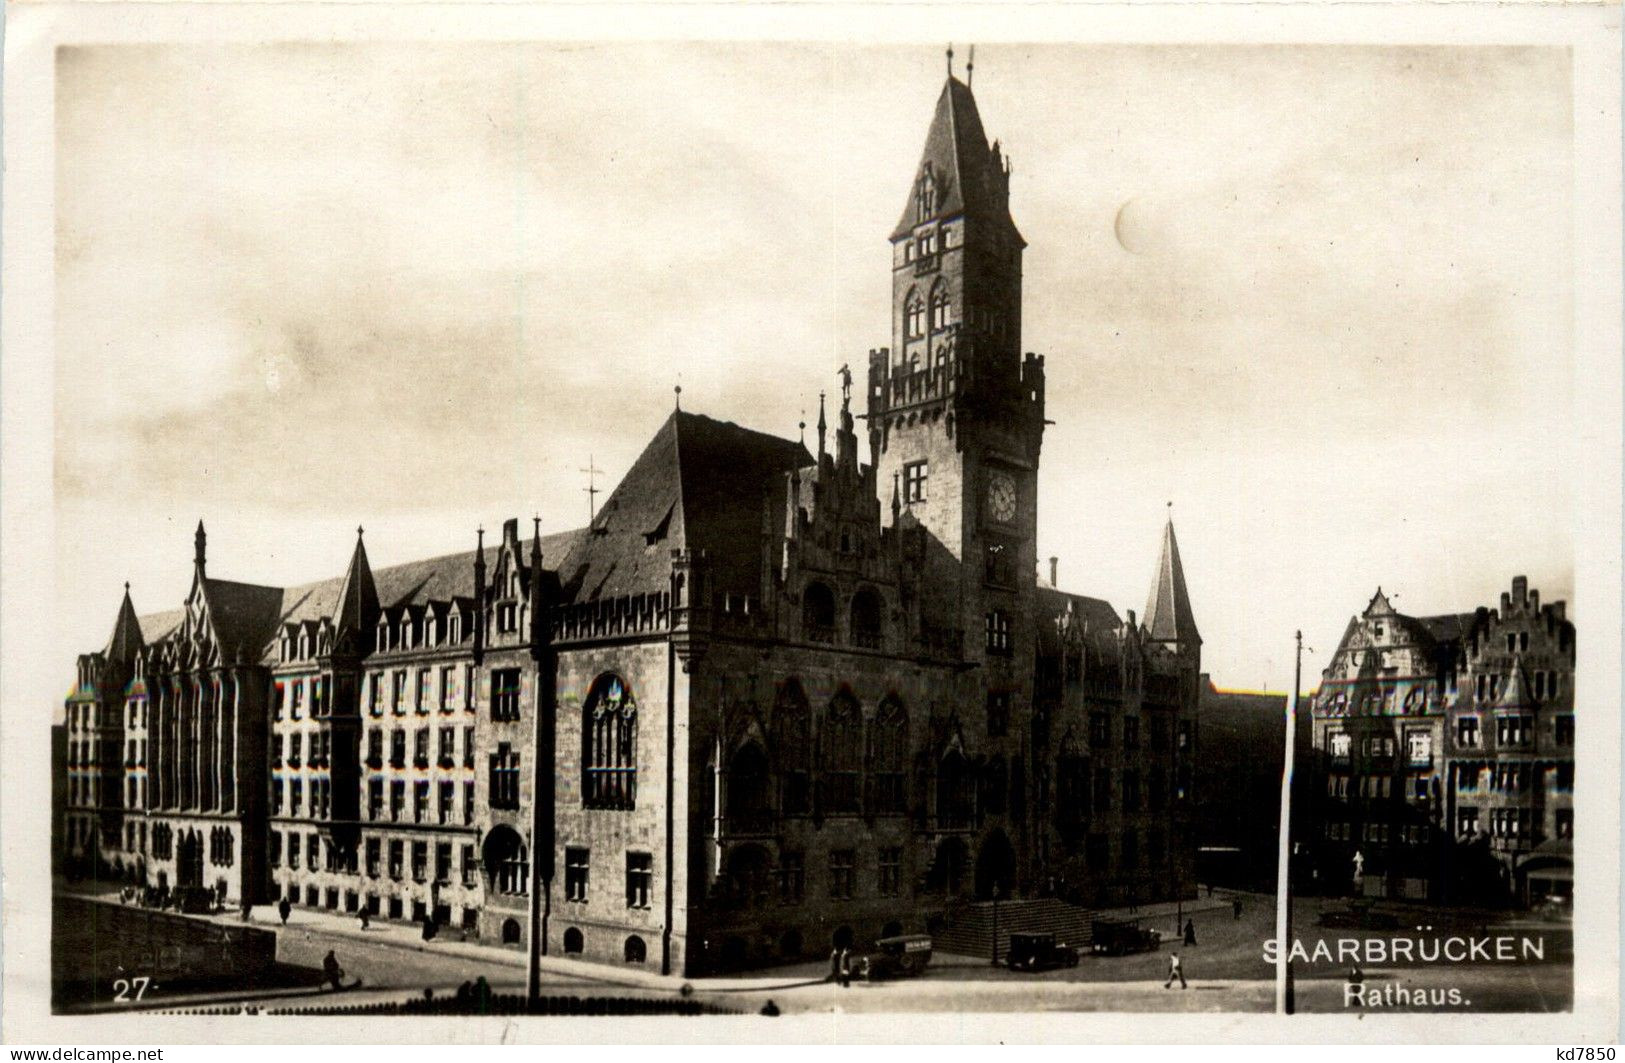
(846, 968)
(770, 1008)
(334, 973)
(1190, 932)
(284, 908)
(366, 919)
(1175, 971)
(835, 964)
(248, 910)
(1210, 891)
(1235, 908)
(430, 928)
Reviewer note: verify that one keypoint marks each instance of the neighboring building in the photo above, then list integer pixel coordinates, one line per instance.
(773, 699)
(1448, 751)
(1238, 786)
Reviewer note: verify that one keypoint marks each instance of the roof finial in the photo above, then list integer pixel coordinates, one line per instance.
(802, 424)
(359, 530)
(970, 67)
(678, 391)
(950, 60)
(126, 588)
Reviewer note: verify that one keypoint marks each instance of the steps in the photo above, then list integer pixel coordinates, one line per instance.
(970, 928)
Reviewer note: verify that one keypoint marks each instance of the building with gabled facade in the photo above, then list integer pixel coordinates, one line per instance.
(769, 700)
(1446, 749)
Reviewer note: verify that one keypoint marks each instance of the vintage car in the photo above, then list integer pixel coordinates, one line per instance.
(1121, 937)
(902, 956)
(1038, 952)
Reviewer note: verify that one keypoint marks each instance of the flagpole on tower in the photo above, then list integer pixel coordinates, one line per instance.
(1284, 1004)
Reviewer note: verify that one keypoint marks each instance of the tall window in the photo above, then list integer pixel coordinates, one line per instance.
(842, 874)
(505, 777)
(840, 746)
(609, 745)
(998, 632)
(939, 308)
(505, 694)
(891, 872)
(639, 879)
(916, 316)
(888, 758)
(575, 875)
(791, 745)
(925, 198)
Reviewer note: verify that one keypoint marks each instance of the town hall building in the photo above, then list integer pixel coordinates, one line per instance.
(773, 698)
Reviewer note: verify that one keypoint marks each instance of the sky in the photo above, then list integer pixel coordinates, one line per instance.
(1319, 298)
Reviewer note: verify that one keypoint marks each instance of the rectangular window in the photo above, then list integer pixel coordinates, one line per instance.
(468, 865)
(468, 746)
(505, 694)
(397, 748)
(293, 851)
(1564, 730)
(468, 803)
(915, 474)
(1100, 731)
(397, 692)
(375, 798)
(373, 847)
(891, 872)
(1338, 745)
(575, 875)
(296, 796)
(442, 862)
(842, 874)
(295, 751)
(1131, 732)
(397, 798)
(792, 878)
(1131, 791)
(1564, 822)
(998, 632)
(313, 851)
(469, 687)
(375, 700)
(1466, 821)
(448, 688)
(420, 748)
(639, 879)
(420, 801)
(1467, 731)
(420, 861)
(448, 801)
(298, 699)
(1514, 731)
(375, 748)
(448, 747)
(276, 849)
(505, 777)
(276, 752)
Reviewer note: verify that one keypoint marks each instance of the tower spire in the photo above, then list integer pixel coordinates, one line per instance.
(1168, 610)
(200, 548)
(822, 426)
(357, 608)
(126, 641)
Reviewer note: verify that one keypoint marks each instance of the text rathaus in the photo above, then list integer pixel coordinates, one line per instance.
(768, 701)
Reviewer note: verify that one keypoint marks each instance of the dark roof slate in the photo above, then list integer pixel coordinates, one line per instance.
(968, 171)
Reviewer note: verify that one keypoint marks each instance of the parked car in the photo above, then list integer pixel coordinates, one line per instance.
(903, 956)
(1121, 937)
(1039, 952)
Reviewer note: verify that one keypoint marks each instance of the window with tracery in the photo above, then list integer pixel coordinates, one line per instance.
(609, 745)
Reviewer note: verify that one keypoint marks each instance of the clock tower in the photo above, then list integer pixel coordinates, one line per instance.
(956, 411)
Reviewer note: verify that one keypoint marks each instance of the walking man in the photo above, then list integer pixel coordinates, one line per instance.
(835, 964)
(1190, 932)
(331, 968)
(284, 909)
(1175, 971)
(846, 968)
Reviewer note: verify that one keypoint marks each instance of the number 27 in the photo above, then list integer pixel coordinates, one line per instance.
(122, 987)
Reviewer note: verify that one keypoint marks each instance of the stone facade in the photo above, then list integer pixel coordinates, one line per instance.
(1445, 746)
(767, 701)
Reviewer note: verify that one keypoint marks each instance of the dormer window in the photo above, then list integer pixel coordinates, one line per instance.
(456, 627)
(925, 197)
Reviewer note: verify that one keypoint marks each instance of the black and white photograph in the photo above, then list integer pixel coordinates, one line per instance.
(800, 531)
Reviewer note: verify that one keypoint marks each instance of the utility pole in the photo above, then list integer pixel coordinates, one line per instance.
(1284, 1004)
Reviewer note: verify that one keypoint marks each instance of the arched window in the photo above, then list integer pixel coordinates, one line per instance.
(511, 932)
(995, 786)
(866, 619)
(636, 951)
(888, 758)
(939, 307)
(925, 198)
(792, 746)
(818, 613)
(573, 941)
(748, 807)
(916, 315)
(1072, 781)
(609, 737)
(840, 745)
(506, 860)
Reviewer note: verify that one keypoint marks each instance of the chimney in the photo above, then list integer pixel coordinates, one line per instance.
(1520, 588)
(1054, 572)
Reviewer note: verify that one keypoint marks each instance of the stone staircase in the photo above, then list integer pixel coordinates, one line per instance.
(969, 929)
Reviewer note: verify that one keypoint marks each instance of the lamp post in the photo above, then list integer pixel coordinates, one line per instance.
(995, 960)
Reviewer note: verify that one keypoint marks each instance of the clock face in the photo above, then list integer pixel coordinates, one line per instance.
(1001, 497)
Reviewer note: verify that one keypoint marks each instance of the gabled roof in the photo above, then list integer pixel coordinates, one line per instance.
(700, 484)
(1168, 610)
(968, 173)
(244, 615)
(126, 641)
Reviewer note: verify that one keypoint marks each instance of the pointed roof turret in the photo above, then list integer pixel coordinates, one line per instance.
(126, 641)
(959, 172)
(357, 607)
(1168, 611)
